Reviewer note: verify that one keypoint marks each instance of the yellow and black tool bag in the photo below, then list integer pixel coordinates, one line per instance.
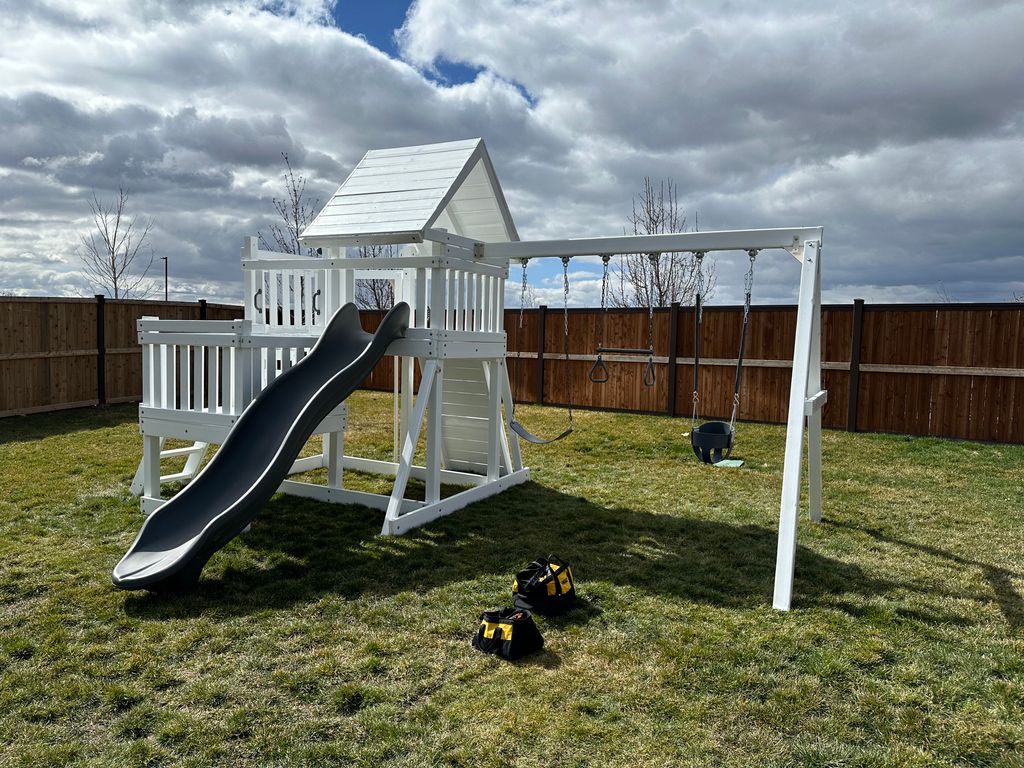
(508, 632)
(545, 586)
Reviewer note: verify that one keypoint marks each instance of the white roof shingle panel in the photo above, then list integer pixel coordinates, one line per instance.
(409, 189)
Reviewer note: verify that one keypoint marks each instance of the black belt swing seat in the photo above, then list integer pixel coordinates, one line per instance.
(713, 441)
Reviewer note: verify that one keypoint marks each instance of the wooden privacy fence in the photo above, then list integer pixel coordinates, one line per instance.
(65, 353)
(948, 370)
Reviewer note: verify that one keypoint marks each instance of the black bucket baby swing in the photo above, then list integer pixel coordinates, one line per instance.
(713, 441)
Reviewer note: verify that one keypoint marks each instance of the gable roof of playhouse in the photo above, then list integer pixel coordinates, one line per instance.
(407, 190)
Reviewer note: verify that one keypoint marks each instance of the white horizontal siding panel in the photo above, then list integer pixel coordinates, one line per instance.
(354, 205)
(349, 197)
(451, 161)
(404, 217)
(400, 181)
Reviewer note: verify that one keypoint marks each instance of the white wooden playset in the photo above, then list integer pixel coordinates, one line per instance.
(442, 208)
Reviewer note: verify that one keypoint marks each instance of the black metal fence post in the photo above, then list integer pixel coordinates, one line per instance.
(673, 342)
(541, 333)
(101, 349)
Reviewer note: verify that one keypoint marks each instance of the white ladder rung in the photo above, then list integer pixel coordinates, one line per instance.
(195, 448)
(176, 476)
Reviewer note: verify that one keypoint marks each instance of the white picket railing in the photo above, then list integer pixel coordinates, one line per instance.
(211, 366)
(289, 293)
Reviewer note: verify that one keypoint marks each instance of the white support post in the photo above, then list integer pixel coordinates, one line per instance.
(254, 279)
(493, 419)
(334, 454)
(434, 446)
(396, 416)
(151, 466)
(437, 288)
(790, 504)
(814, 418)
(410, 439)
(405, 407)
(348, 291)
(513, 438)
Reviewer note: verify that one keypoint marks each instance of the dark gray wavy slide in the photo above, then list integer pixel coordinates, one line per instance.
(179, 538)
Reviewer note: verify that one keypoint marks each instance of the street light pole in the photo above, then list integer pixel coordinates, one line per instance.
(165, 277)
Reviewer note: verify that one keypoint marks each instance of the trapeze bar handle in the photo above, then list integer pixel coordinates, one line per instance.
(624, 351)
(649, 378)
(599, 371)
(255, 300)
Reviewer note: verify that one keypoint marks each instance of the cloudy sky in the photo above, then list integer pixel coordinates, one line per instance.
(898, 126)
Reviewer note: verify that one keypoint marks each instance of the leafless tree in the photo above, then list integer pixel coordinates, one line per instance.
(375, 294)
(942, 293)
(296, 210)
(640, 280)
(114, 254)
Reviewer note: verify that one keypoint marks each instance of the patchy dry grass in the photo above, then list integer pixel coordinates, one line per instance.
(312, 641)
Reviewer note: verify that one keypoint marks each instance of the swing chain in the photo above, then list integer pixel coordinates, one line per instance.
(748, 283)
(649, 377)
(748, 288)
(605, 259)
(565, 334)
(598, 373)
(522, 295)
(650, 305)
(698, 291)
(699, 285)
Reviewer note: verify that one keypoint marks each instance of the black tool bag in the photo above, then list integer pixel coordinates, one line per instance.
(508, 632)
(545, 586)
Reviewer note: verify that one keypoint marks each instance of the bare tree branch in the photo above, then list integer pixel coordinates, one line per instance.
(639, 279)
(296, 211)
(375, 294)
(942, 293)
(113, 254)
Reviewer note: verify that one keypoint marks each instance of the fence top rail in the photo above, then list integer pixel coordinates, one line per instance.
(113, 302)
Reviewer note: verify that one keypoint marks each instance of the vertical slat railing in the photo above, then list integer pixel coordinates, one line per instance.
(212, 380)
(499, 316)
(421, 299)
(270, 282)
(199, 379)
(185, 374)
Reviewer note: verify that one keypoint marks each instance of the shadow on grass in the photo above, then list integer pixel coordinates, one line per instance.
(312, 549)
(39, 426)
(1000, 580)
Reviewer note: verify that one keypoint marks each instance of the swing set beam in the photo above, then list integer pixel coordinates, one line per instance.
(789, 239)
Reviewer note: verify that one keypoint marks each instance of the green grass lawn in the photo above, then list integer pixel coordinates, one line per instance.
(313, 641)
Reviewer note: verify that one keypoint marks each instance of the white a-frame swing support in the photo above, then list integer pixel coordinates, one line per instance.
(806, 397)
